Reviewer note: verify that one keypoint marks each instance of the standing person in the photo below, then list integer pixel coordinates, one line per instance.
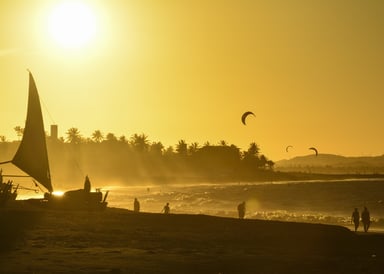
(87, 185)
(366, 219)
(356, 218)
(241, 210)
(136, 205)
(166, 209)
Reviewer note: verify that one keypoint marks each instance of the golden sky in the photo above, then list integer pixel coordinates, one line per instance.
(311, 71)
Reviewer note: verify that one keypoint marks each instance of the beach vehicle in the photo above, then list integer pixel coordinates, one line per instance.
(32, 158)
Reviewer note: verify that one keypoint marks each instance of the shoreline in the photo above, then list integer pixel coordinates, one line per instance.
(120, 241)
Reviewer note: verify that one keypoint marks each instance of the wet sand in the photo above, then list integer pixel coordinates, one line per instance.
(120, 241)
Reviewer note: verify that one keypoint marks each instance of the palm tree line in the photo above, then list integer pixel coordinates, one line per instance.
(221, 159)
(141, 143)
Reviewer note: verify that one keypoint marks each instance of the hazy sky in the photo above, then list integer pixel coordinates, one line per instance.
(311, 71)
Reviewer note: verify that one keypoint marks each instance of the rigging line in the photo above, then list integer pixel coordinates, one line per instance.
(27, 188)
(18, 176)
(78, 166)
(72, 152)
(37, 185)
(46, 109)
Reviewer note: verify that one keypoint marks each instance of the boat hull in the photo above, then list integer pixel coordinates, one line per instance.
(71, 200)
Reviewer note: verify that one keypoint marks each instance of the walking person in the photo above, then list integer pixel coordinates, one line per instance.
(136, 205)
(356, 218)
(166, 209)
(366, 219)
(241, 210)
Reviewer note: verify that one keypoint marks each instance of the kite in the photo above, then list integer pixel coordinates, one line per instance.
(315, 150)
(288, 147)
(245, 115)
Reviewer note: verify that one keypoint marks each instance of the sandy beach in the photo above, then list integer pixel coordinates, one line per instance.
(120, 241)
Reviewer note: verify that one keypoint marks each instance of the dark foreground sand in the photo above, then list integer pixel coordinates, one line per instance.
(119, 241)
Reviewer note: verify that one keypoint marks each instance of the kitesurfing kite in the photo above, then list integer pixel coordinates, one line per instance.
(245, 115)
(314, 149)
(288, 147)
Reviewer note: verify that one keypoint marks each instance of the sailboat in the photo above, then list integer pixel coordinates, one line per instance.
(32, 158)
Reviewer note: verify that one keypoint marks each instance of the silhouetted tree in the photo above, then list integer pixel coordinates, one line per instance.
(193, 148)
(217, 160)
(19, 131)
(139, 142)
(263, 161)
(251, 160)
(169, 151)
(110, 137)
(73, 136)
(156, 148)
(270, 164)
(117, 155)
(223, 143)
(253, 149)
(182, 148)
(97, 136)
(123, 139)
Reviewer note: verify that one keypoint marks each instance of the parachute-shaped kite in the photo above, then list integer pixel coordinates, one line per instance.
(288, 147)
(314, 149)
(245, 115)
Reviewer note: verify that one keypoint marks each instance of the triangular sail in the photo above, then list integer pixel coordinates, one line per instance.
(32, 155)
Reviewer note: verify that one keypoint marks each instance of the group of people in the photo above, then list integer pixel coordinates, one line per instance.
(365, 219)
(167, 209)
(136, 207)
(365, 215)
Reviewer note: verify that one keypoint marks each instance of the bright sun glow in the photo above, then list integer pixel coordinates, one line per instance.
(58, 193)
(72, 24)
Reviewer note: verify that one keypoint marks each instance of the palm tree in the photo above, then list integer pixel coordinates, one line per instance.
(182, 148)
(19, 131)
(263, 161)
(207, 144)
(73, 135)
(156, 148)
(97, 136)
(169, 151)
(2, 138)
(193, 148)
(139, 142)
(270, 164)
(253, 149)
(223, 143)
(123, 139)
(110, 137)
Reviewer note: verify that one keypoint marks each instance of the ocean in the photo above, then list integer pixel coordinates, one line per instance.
(315, 201)
(329, 202)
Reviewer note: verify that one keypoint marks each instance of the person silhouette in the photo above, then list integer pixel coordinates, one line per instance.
(87, 184)
(366, 219)
(136, 205)
(356, 218)
(241, 210)
(166, 209)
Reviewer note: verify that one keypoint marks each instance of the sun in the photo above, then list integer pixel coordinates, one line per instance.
(72, 24)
